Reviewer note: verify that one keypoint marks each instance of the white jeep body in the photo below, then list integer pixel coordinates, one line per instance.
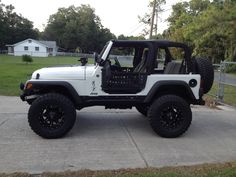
(87, 79)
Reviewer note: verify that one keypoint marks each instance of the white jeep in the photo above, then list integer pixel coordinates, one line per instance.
(126, 74)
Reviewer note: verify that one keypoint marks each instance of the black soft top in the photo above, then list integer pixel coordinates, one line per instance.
(157, 42)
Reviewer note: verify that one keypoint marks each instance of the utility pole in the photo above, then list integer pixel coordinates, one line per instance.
(153, 16)
(156, 21)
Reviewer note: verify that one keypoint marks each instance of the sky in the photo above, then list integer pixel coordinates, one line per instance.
(121, 16)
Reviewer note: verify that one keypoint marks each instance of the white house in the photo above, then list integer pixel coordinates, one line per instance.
(34, 48)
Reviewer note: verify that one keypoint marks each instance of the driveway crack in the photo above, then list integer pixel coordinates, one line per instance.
(3, 122)
(134, 143)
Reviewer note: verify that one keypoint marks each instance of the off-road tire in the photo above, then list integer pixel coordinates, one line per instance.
(142, 109)
(204, 67)
(52, 115)
(170, 116)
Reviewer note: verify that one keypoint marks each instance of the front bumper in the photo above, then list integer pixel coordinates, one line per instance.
(22, 97)
(22, 87)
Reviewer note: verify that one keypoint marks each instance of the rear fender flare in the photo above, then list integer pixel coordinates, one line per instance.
(166, 86)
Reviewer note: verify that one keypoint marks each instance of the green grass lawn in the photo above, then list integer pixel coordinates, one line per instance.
(13, 70)
(205, 170)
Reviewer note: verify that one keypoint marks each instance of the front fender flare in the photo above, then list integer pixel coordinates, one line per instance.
(45, 85)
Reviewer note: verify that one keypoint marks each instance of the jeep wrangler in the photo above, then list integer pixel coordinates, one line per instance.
(159, 78)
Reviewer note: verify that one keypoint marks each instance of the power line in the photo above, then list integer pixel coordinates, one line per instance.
(140, 25)
(165, 10)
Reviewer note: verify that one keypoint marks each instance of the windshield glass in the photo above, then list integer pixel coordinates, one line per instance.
(124, 55)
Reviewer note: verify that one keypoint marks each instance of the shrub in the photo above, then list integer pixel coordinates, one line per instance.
(27, 59)
(231, 68)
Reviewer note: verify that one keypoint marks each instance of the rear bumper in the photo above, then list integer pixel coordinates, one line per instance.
(200, 102)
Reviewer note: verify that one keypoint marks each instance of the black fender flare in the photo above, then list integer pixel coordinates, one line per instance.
(165, 86)
(44, 85)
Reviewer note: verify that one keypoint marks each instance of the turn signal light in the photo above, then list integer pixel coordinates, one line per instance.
(29, 86)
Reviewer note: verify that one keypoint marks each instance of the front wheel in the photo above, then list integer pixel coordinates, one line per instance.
(51, 115)
(170, 116)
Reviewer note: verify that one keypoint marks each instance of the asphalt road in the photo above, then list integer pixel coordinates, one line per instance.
(112, 139)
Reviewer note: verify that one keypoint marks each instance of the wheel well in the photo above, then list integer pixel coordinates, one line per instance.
(63, 88)
(179, 90)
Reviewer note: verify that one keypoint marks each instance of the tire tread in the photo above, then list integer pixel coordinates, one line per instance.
(157, 104)
(51, 96)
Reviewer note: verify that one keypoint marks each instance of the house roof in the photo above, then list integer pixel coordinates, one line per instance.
(49, 44)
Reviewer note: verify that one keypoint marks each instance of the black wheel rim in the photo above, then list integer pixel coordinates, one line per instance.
(52, 117)
(171, 117)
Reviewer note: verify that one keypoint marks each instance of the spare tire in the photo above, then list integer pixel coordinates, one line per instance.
(204, 67)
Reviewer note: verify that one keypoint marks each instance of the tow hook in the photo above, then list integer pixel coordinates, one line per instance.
(22, 86)
(22, 97)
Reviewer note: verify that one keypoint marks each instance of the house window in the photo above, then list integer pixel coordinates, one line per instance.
(26, 48)
(36, 48)
(30, 41)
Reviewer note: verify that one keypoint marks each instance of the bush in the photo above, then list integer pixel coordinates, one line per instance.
(231, 68)
(27, 59)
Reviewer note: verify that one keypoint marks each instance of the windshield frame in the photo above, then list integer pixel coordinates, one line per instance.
(106, 50)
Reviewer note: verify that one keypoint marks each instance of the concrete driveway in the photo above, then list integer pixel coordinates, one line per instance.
(112, 139)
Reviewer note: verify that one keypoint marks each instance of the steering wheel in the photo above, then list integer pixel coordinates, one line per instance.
(117, 63)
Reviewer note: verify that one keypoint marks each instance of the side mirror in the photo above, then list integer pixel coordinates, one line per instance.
(96, 57)
(83, 60)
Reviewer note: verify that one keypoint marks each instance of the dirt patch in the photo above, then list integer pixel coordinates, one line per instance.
(222, 170)
(188, 171)
(210, 102)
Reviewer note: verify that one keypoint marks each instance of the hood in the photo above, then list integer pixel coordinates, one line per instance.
(62, 73)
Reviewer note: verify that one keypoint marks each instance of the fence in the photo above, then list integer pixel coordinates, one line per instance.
(71, 54)
(223, 79)
(3, 51)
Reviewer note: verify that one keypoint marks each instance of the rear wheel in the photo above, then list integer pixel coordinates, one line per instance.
(51, 115)
(170, 116)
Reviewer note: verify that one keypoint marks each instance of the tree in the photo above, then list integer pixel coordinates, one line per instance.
(146, 19)
(209, 27)
(122, 37)
(77, 27)
(14, 27)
